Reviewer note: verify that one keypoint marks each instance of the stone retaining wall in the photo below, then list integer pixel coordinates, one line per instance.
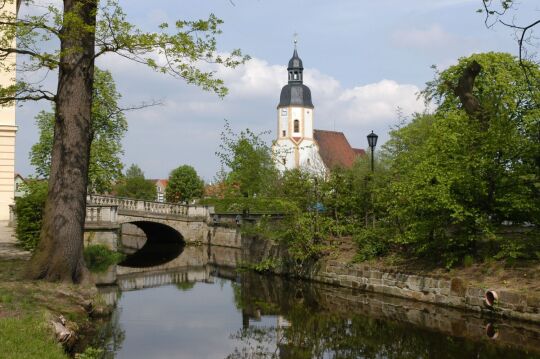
(451, 292)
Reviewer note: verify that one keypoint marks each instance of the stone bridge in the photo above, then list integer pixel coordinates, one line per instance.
(107, 218)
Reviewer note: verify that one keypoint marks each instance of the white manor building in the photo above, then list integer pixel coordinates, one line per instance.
(298, 144)
(8, 128)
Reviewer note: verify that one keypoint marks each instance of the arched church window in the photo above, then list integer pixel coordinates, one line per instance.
(296, 75)
(284, 133)
(296, 126)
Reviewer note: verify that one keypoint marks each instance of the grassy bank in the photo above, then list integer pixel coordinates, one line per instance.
(28, 337)
(28, 307)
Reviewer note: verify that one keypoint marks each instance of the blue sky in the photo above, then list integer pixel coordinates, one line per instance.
(363, 59)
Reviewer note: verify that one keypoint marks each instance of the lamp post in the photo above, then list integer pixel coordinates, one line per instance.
(372, 142)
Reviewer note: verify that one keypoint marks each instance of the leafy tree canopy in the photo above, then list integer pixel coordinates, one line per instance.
(471, 166)
(184, 185)
(108, 128)
(134, 185)
(249, 160)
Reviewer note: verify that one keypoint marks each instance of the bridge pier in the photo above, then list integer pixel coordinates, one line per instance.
(101, 226)
(105, 234)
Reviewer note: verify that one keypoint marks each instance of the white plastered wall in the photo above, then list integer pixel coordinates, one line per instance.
(7, 137)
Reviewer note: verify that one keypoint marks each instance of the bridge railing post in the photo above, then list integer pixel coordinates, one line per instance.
(139, 206)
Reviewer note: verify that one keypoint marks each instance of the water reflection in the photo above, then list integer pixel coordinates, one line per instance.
(154, 253)
(184, 309)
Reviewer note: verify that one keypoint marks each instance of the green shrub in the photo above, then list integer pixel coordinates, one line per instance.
(98, 258)
(372, 243)
(468, 261)
(29, 212)
(250, 205)
(521, 247)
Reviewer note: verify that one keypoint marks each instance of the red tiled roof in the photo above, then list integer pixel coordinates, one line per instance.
(334, 149)
(359, 151)
(164, 182)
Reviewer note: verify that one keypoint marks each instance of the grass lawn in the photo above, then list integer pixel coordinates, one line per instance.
(26, 310)
(28, 337)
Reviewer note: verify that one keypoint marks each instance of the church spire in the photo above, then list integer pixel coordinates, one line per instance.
(296, 67)
(295, 93)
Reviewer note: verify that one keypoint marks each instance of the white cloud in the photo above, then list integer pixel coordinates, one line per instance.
(379, 101)
(186, 128)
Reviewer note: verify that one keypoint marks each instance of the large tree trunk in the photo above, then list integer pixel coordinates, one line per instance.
(59, 256)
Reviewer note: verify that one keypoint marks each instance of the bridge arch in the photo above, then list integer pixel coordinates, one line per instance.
(163, 244)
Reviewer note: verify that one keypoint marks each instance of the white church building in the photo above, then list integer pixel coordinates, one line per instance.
(298, 143)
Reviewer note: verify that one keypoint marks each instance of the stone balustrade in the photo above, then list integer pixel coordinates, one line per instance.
(101, 213)
(150, 206)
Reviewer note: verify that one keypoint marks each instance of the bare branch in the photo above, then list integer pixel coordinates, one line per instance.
(29, 95)
(522, 30)
(140, 106)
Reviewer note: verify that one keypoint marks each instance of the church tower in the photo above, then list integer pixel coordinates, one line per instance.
(295, 146)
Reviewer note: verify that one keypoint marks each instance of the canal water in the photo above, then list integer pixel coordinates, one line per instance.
(198, 306)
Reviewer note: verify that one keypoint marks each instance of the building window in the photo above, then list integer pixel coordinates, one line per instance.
(283, 112)
(296, 126)
(284, 133)
(284, 161)
(296, 75)
(309, 162)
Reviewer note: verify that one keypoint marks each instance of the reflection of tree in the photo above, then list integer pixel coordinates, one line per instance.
(111, 336)
(257, 343)
(185, 286)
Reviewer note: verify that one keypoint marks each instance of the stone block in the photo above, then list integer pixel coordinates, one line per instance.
(455, 301)
(533, 301)
(457, 287)
(506, 297)
(475, 301)
(430, 282)
(475, 292)
(415, 283)
(352, 272)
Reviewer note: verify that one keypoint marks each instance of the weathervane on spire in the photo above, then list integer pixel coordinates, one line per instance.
(295, 35)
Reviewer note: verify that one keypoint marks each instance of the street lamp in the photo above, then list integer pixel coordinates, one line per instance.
(372, 142)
